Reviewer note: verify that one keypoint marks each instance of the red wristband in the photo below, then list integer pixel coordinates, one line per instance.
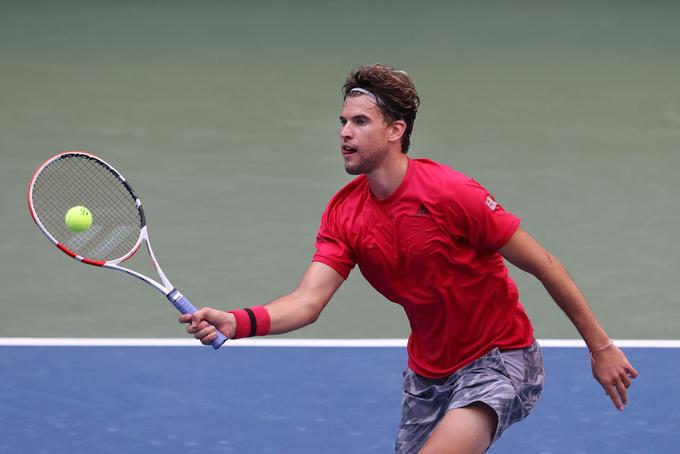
(252, 321)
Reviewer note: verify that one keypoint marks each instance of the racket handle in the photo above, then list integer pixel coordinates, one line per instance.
(185, 307)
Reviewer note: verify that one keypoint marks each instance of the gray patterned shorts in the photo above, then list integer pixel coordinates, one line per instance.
(508, 381)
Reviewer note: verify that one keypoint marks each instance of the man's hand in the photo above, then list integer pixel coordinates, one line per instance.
(615, 374)
(204, 323)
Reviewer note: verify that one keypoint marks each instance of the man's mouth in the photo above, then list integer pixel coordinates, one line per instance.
(348, 149)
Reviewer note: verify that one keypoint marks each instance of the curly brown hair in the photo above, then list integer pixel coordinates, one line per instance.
(395, 93)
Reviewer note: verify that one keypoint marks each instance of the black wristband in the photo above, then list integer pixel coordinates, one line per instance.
(253, 321)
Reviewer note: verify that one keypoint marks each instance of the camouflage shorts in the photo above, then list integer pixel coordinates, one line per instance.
(507, 381)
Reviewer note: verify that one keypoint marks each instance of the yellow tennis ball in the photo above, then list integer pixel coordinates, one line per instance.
(78, 219)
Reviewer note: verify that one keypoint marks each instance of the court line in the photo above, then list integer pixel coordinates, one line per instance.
(286, 342)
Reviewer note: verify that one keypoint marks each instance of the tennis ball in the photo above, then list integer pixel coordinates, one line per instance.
(78, 219)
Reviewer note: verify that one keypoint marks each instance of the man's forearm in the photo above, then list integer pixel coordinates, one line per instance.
(569, 298)
(304, 304)
(291, 312)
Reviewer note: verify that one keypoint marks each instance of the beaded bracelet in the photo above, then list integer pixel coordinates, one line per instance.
(592, 352)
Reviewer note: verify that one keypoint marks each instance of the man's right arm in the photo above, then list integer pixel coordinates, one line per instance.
(292, 311)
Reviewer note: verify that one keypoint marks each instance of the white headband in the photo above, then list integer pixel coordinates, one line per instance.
(363, 91)
(366, 92)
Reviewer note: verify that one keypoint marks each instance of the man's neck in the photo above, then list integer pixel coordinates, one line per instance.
(386, 179)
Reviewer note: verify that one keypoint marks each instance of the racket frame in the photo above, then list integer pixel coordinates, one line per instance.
(165, 286)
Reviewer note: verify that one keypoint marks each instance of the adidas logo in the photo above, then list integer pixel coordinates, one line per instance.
(422, 210)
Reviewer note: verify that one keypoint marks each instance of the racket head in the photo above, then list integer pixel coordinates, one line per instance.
(78, 178)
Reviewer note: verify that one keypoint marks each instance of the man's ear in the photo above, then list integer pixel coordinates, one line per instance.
(397, 130)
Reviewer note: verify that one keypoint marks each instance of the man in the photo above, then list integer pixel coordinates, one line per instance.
(432, 240)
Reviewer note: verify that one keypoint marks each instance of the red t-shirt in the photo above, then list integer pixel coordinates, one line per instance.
(431, 247)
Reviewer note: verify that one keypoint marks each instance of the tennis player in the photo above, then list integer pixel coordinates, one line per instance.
(433, 241)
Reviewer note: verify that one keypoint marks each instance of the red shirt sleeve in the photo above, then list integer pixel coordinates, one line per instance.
(477, 217)
(331, 247)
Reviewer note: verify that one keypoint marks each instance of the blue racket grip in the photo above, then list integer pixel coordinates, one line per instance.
(185, 307)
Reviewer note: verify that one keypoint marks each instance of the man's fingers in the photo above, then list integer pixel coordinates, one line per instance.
(199, 315)
(207, 340)
(623, 394)
(203, 323)
(194, 327)
(614, 396)
(198, 327)
(629, 373)
(626, 380)
(194, 318)
(205, 333)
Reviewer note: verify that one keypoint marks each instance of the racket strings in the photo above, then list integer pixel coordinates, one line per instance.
(74, 180)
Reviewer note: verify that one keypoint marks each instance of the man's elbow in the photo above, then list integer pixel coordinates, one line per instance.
(313, 317)
(312, 310)
(546, 267)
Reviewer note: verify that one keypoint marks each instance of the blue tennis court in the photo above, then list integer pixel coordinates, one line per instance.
(296, 400)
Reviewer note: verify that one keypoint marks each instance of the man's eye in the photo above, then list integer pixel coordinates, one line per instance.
(361, 122)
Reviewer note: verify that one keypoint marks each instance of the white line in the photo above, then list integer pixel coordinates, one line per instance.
(92, 342)
(285, 342)
(130, 342)
(625, 343)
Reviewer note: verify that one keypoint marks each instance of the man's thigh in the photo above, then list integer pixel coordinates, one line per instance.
(509, 383)
(464, 430)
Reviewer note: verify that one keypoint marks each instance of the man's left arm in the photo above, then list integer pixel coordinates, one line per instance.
(610, 366)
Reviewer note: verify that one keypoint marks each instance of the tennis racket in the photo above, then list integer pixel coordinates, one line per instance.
(118, 228)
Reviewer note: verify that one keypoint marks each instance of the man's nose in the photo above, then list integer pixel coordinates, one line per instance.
(346, 131)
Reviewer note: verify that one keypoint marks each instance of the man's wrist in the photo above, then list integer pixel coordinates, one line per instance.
(600, 349)
(251, 321)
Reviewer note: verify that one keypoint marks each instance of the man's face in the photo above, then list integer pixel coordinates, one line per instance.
(363, 135)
